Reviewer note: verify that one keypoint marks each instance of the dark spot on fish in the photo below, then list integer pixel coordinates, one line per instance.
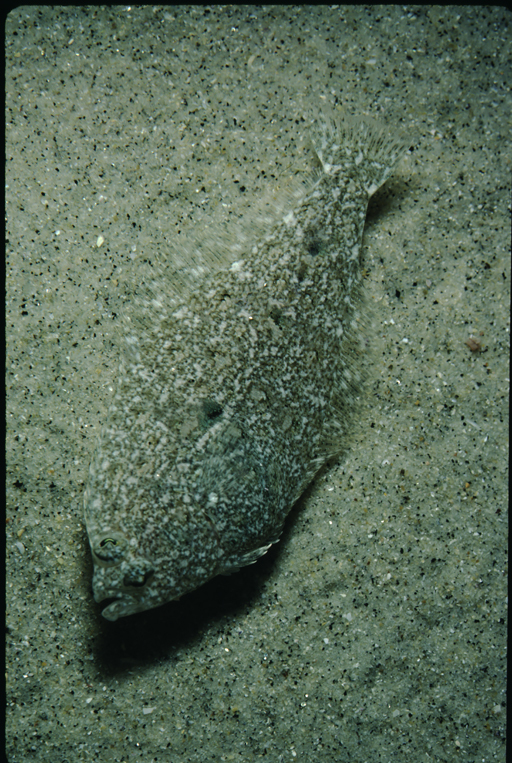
(301, 273)
(276, 315)
(312, 243)
(210, 410)
(314, 247)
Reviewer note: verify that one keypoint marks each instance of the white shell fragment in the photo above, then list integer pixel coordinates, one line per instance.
(234, 395)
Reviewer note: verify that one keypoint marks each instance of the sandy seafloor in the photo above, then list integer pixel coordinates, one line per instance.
(376, 629)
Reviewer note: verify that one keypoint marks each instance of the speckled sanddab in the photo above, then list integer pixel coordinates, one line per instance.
(229, 401)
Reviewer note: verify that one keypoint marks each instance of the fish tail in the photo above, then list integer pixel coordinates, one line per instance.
(356, 147)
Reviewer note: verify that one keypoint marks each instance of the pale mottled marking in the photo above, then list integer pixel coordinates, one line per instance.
(233, 396)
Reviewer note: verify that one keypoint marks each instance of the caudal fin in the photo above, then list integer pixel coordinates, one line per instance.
(357, 147)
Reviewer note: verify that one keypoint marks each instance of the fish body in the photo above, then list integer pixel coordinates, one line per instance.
(233, 397)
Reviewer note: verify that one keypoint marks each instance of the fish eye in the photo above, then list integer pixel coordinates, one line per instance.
(110, 548)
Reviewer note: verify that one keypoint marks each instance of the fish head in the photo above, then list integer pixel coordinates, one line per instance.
(139, 570)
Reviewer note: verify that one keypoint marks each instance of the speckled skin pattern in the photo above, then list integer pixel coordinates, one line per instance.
(229, 402)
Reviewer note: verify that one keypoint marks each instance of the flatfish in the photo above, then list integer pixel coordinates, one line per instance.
(234, 395)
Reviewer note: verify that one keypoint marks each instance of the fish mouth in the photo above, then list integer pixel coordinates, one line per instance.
(118, 606)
